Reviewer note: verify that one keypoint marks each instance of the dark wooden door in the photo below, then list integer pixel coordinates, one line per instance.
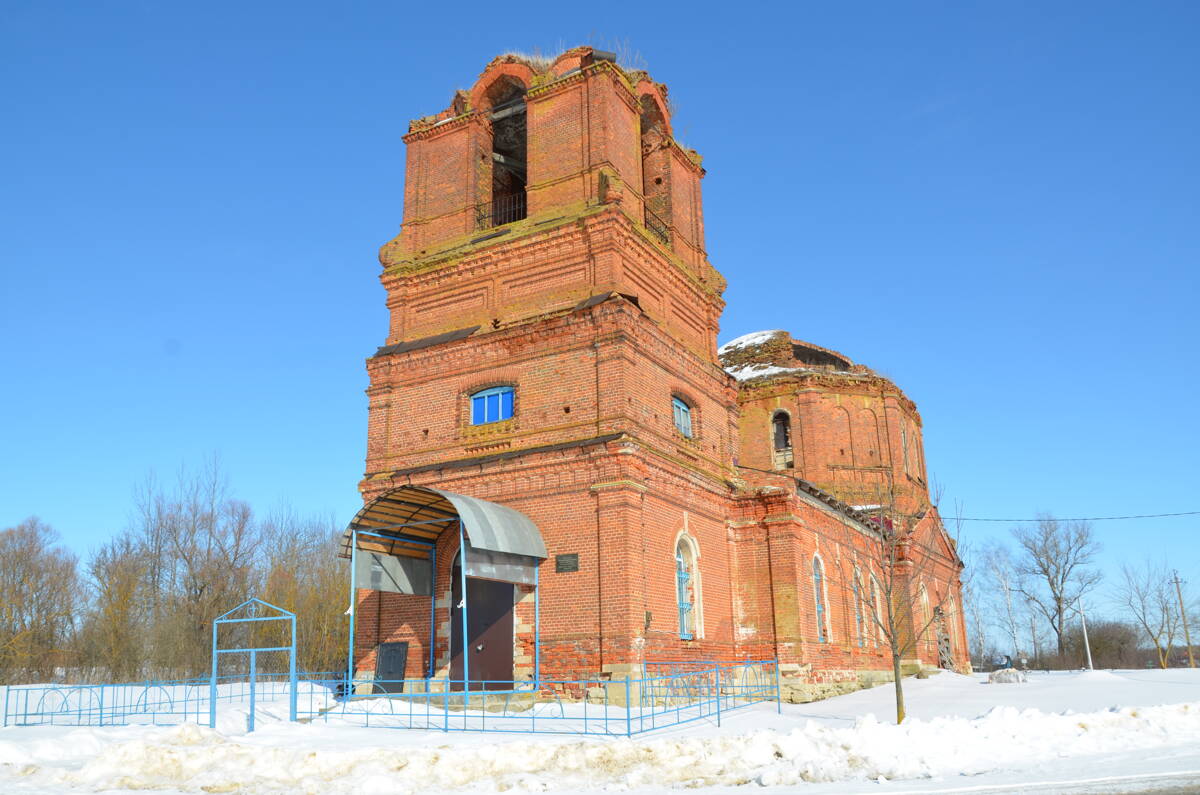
(391, 660)
(490, 633)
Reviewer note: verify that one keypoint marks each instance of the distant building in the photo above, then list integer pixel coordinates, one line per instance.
(551, 377)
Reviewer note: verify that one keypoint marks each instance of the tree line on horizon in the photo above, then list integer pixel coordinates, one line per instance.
(141, 605)
(1028, 600)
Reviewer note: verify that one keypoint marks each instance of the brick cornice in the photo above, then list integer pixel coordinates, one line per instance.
(597, 69)
(618, 485)
(866, 384)
(466, 256)
(438, 128)
(487, 459)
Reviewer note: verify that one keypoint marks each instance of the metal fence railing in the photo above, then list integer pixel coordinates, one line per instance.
(658, 226)
(160, 703)
(669, 694)
(502, 209)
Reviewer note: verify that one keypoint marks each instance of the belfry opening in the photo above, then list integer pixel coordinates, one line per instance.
(507, 114)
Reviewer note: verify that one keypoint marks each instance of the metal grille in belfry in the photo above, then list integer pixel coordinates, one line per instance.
(501, 210)
(658, 226)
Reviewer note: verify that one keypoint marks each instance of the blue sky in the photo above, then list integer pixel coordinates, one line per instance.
(993, 204)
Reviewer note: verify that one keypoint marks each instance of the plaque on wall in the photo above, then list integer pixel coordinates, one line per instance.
(566, 563)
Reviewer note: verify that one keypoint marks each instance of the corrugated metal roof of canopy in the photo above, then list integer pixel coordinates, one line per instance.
(417, 513)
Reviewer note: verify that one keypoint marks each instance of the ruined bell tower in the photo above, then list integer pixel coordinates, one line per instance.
(552, 348)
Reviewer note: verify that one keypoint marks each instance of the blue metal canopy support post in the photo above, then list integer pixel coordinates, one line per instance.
(212, 684)
(353, 610)
(432, 609)
(292, 681)
(462, 569)
(537, 630)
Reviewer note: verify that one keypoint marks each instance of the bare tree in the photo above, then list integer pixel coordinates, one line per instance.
(1055, 560)
(1148, 595)
(973, 605)
(904, 550)
(302, 573)
(202, 548)
(1037, 638)
(146, 601)
(38, 601)
(1007, 602)
(116, 622)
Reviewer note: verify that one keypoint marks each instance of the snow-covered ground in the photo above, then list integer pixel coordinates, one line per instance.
(1123, 731)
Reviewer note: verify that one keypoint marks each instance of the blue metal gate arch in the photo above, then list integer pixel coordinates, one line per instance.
(253, 607)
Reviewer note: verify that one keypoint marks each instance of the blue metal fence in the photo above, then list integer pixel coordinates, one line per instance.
(153, 702)
(669, 694)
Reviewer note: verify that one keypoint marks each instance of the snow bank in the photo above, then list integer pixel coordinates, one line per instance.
(1006, 676)
(307, 759)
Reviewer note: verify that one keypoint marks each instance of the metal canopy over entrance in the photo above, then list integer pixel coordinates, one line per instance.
(391, 538)
(418, 514)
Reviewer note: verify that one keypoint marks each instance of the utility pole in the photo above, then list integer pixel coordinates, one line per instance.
(1086, 644)
(1033, 640)
(1183, 613)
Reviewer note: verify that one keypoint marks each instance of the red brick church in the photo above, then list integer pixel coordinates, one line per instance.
(551, 396)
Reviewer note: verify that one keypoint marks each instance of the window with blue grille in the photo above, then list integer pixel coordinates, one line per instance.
(683, 417)
(819, 595)
(492, 405)
(685, 585)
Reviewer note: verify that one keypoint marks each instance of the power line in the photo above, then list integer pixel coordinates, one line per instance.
(1080, 519)
(867, 510)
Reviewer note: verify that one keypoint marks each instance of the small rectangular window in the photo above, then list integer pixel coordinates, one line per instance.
(492, 405)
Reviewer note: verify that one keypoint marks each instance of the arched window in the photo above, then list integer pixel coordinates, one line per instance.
(876, 615)
(781, 440)
(492, 405)
(859, 629)
(926, 617)
(686, 588)
(819, 598)
(952, 619)
(781, 428)
(683, 416)
(656, 169)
